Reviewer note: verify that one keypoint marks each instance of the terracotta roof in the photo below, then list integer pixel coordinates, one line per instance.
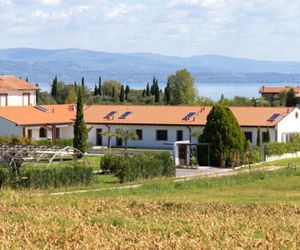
(174, 115)
(277, 90)
(31, 115)
(14, 83)
(142, 115)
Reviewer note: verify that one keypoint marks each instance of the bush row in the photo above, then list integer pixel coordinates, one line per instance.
(60, 142)
(275, 148)
(45, 177)
(132, 167)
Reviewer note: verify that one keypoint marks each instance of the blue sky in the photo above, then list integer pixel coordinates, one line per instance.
(260, 29)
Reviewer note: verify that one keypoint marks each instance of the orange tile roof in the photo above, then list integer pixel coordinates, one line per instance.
(142, 115)
(174, 115)
(277, 90)
(30, 115)
(14, 83)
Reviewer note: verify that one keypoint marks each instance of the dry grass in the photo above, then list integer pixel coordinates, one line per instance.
(133, 223)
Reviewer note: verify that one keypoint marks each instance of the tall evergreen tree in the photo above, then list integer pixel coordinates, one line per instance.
(258, 138)
(268, 137)
(82, 82)
(54, 88)
(96, 92)
(156, 91)
(144, 93)
(148, 90)
(127, 90)
(113, 94)
(167, 96)
(122, 94)
(26, 79)
(100, 86)
(37, 94)
(80, 128)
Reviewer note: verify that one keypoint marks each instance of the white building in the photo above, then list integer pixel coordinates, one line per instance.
(16, 92)
(156, 126)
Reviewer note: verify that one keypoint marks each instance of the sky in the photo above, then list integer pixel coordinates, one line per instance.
(258, 29)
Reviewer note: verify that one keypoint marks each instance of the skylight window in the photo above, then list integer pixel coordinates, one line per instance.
(125, 115)
(110, 114)
(41, 108)
(189, 115)
(274, 117)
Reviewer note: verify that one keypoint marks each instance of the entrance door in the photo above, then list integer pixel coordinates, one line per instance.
(26, 99)
(119, 141)
(182, 153)
(98, 137)
(3, 100)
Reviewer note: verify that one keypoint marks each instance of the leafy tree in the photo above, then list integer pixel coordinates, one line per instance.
(109, 85)
(291, 100)
(127, 90)
(126, 135)
(72, 96)
(182, 89)
(258, 140)
(122, 94)
(100, 86)
(113, 94)
(54, 88)
(224, 134)
(80, 128)
(44, 98)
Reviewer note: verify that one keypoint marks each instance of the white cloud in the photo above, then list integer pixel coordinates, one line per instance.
(122, 9)
(50, 2)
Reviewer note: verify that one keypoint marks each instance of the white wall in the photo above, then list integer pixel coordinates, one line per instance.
(15, 98)
(262, 129)
(9, 128)
(149, 135)
(66, 132)
(289, 125)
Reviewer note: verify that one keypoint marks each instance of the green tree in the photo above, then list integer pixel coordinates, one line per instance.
(80, 128)
(167, 95)
(291, 100)
(224, 134)
(126, 135)
(148, 89)
(54, 87)
(268, 137)
(182, 89)
(122, 94)
(82, 82)
(100, 86)
(96, 90)
(113, 94)
(109, 85)
(258, 138)
(72, 96)
(127, 90)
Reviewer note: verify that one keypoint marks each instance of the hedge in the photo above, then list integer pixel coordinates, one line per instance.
(275, 148)
(133, 167)
(14, 140)
(60, 142)
(45, 177)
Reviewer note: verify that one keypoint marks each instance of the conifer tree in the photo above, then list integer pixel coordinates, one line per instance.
(113, 94)
(148, 90)
(37, 94)
(80, 128)
(258, 140)
(144, 93)
(96, 90)
(26, 79)
(268, 137)
(127, 90)
(100, 86)
(122, 94)
(167, 96)
(82, 82)
(54, 88)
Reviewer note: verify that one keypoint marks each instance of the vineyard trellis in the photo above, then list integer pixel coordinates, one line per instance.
(15, 155)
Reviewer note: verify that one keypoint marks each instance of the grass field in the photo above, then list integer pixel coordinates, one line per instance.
(248, 211)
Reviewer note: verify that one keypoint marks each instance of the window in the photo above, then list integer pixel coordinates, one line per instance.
(99, 137)
(26, 99)
(161, 135)
(139, 133)
(29, 131)
(265, 136)
(57, 133)
(43, 133)
(179, 135)
(3, 100)
(248, 136)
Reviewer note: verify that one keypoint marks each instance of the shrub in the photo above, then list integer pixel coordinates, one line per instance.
(60, 142)
(56, 176)
(147, 166)
(275, 148)
(4, 176)
(14, 140)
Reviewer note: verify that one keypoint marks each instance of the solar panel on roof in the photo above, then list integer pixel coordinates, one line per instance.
(124, 116)
(189, 115)
(41, 108)
(274, 117)
(110, 114)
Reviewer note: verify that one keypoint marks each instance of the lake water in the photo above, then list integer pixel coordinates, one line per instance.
(215, 90)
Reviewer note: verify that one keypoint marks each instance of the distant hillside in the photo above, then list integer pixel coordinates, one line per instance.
(71, 64)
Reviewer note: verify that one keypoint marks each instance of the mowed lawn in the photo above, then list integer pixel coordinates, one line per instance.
(249, 211)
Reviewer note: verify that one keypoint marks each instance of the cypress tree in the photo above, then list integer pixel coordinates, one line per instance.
(144, 93)
(148, 90)
(54, 88)
(26, 79)
(113, 94)
(95, 90)
(37, 94)
(153, 87)
(167, 94)
(82, 82)
(122, 94)
(127, 90)
(258, 140)
(80, 128)
(100, 86)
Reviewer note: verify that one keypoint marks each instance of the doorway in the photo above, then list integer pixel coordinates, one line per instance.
(99, 137)
(182, 154)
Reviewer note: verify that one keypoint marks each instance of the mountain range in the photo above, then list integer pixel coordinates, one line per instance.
(41, 65)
